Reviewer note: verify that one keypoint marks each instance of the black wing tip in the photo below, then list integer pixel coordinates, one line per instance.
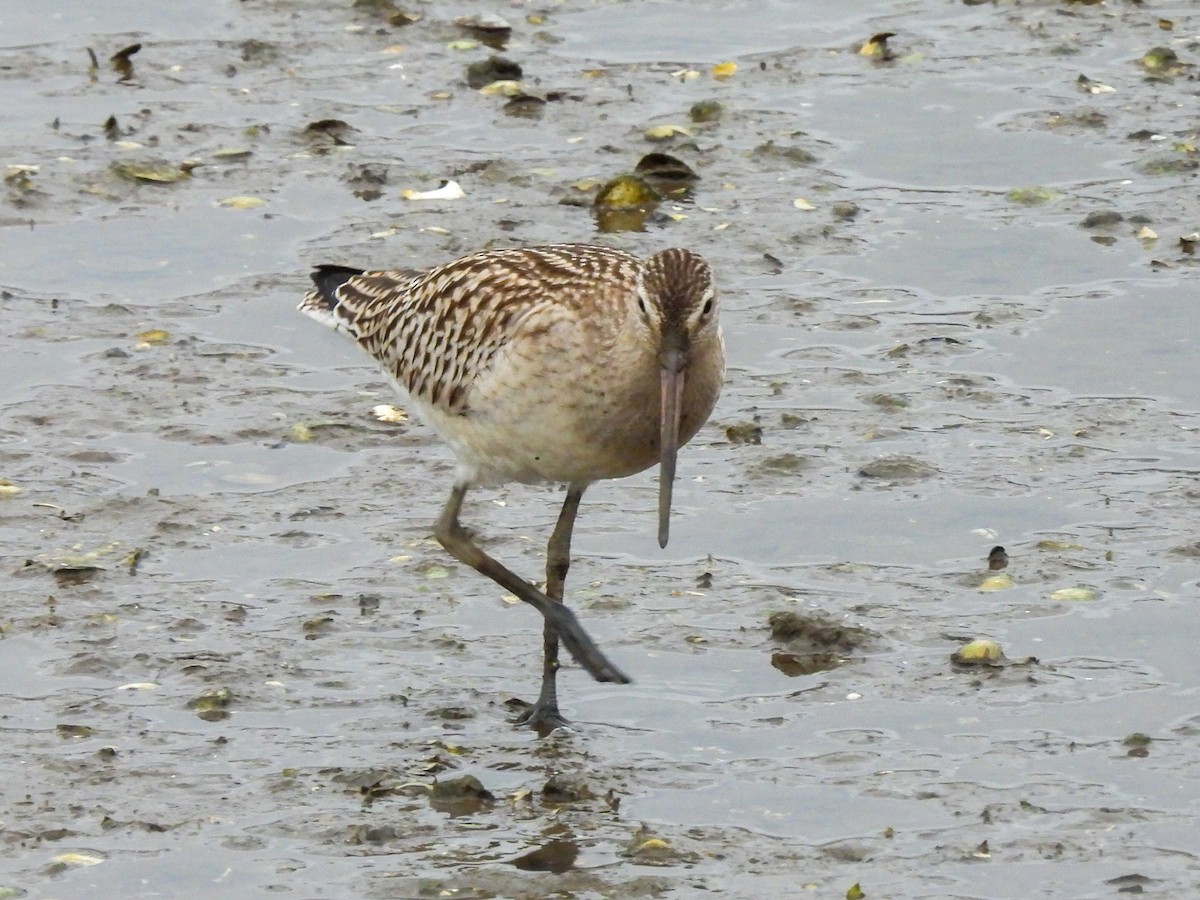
(328, 278)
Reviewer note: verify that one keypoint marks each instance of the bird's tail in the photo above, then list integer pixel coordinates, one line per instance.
(323, 302)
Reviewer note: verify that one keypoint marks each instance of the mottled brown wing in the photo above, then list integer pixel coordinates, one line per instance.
(438, 331)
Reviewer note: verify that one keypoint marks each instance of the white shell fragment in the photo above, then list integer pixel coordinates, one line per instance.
(451, 190)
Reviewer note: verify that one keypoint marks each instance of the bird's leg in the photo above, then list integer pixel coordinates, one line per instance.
(454, 538)
(544, 714)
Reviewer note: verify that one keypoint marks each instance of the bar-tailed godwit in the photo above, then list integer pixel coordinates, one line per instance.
(567, 363)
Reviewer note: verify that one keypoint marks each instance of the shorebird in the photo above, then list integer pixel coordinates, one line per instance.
(568, 364)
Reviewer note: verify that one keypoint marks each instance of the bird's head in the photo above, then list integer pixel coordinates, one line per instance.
(678, 301)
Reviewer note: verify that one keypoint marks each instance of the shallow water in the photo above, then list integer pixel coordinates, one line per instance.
(1029, 381)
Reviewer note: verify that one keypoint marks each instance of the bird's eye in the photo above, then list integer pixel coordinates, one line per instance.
(708, 305)
(642, 305)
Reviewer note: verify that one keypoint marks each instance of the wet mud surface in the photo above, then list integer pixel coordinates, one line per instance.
(959, 314)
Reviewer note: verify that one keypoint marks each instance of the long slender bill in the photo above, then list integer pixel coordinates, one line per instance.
(668, 442)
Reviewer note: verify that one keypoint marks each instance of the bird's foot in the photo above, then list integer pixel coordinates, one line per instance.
(542, 718)
(580, 646)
